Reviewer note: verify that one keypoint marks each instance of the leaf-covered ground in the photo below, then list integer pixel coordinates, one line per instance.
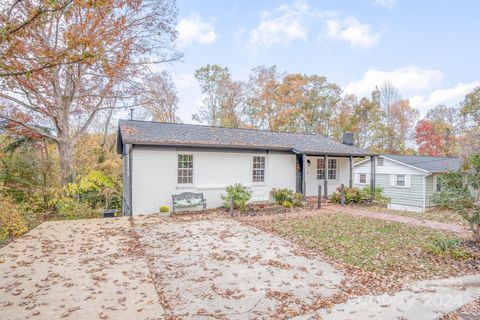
(435, 214)
(392, 253)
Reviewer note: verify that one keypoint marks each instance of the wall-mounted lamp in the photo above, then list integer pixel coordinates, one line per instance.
(308, 162)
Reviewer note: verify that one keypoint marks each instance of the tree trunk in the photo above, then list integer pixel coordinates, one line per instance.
(65, 149)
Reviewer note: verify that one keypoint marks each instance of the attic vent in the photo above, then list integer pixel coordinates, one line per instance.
(347, 138)
(379, 162)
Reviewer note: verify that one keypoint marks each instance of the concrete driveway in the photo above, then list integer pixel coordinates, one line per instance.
(76, 270)
(101, 269)
(222, 269)
(157, 268)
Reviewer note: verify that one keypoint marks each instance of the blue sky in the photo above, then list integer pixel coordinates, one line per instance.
(428, 49)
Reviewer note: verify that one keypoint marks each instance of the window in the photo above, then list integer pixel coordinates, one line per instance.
(258, 173)
(379, 162)
(363, 178)
(320, 169)
(185, 168)
(438, 186)
(332, 169)
(401, 180)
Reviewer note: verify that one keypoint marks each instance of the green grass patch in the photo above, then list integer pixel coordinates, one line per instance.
(371, 244)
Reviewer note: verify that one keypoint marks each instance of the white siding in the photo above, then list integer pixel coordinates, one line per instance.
(343, 176)
(389, 167)
(155, 175)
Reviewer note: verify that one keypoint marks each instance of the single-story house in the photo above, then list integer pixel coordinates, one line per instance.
(409, 181)
(163, 159)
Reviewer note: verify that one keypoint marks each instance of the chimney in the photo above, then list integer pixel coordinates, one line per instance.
(347, 138)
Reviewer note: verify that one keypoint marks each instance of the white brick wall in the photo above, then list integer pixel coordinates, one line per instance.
(155, 175)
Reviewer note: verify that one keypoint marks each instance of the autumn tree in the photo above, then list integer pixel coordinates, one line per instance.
(470, 110)
(98, 48)
(400, 130)
(222, 97)
(261, 96)
(428, 140)
(438, 133)
(369, 123)
(158, 96)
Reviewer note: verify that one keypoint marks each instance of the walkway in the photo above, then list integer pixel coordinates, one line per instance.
(451, 227)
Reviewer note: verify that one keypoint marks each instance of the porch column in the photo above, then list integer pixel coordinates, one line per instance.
(304, 175)
(350, 182)
(325, 181)
(372, 174)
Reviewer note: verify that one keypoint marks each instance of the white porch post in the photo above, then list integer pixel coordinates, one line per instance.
(350, 181)
(304, 175)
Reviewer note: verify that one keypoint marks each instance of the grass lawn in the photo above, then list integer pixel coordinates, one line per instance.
(382, 247)
(435, 214)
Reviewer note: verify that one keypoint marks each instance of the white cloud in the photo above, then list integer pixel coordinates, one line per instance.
(446, 96)
(184, 80)
(387, 4)
(406, 80)
(285, 24)
(351, 30)
(194, 29)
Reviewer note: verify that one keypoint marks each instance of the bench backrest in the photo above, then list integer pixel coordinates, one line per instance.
(188, 196)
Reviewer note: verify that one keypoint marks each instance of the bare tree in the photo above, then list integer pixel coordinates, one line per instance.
(159, 97)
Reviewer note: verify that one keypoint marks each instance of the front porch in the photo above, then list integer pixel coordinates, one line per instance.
(322, 175)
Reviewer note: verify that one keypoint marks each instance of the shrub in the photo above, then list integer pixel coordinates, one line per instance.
(379, 196)
(12, 223)
(240, 196)
(447, 247)
(356, 195)
(97, 189)
(287, 204)
(285, 195)
(164, 209)
(460, 192)
(71, 209)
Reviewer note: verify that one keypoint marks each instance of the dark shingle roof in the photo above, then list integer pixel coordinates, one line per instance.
(159, 133)
(427, 163)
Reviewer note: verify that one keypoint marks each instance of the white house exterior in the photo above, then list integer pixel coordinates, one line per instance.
(409, 181)
(162, 159)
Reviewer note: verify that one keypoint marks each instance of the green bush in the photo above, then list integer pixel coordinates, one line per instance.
(287, 204)
(12, 223)
(356, 195)
(71, 209)
(442, 246)
(164, 209)
(240, 196)
(285, 195)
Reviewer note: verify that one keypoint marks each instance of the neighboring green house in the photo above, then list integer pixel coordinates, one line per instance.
(409, 181)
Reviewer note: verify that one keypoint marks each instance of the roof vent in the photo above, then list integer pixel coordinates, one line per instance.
(347, 138)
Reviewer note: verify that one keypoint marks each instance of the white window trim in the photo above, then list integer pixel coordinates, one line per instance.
(185, 185)
(360, 179)
(326, 169)
(265, 170)
(404, 181)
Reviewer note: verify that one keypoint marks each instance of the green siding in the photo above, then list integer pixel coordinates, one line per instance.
(429, 189)
(412, 196)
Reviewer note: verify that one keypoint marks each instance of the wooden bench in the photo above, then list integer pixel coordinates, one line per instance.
(188, 200)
